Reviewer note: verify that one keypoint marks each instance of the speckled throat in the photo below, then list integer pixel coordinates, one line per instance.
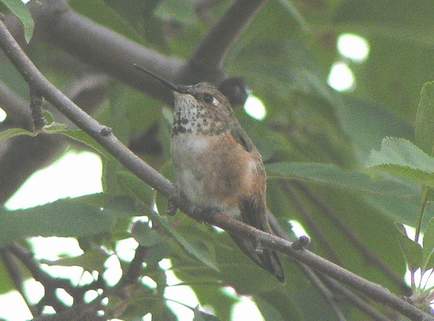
(191, 118)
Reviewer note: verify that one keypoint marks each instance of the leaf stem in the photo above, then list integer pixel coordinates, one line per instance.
(421, 212)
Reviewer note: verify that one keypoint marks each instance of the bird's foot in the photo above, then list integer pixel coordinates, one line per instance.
(205, 213)
(173, 201)
(259, 248)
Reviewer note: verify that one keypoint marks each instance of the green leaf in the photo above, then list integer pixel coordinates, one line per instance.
(268, 311)
(19, 9)
(366, 123)
(104, 15)
(412, 250)
(331, 175)
(48, 117)
(143, 234)
(195, 251)
(428, 245)
(13, 132)
(295, 14)
(83, 137)
(140, 15)
(402, 210)
(400, 157)
(92, 260)
(397, 26)
(65, 218)
(135, 186)
(203, 316)
(6, 283)
(425, 119)
(182, 11)
(55, 128)
(58, 128)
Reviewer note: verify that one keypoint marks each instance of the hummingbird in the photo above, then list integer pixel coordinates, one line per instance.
(217, 166)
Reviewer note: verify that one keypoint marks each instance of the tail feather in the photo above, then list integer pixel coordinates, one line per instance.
(253, 212)
(267, 259)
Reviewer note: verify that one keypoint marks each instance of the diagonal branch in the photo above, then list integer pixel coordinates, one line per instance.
(354, 299)
(149, 175)
(324, 290)
(101, 47)
(213, 48)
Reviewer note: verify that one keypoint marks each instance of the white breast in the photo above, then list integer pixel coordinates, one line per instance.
(187, 151)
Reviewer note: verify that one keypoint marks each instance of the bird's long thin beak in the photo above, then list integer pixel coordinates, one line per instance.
(170, 85)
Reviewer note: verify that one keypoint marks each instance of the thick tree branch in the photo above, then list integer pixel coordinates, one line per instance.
(213, 48)
(156, 180)
(103, 48)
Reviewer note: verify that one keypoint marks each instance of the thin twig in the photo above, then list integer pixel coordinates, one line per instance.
(369, 255)
(50, 284)
(355, 299)
(36, 101)
(156, 180)
(79, 312)
(326, 293)
(135, 267)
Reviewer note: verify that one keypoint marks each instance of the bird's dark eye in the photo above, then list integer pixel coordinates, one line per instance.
(208, 98)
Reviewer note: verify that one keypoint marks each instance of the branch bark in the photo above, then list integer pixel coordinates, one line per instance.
(102, 48)
(149, 175)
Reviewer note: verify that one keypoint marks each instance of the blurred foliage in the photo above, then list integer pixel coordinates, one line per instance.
(17, 8)
(363, 157)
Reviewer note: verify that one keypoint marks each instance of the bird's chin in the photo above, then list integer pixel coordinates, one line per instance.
(184, 100)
